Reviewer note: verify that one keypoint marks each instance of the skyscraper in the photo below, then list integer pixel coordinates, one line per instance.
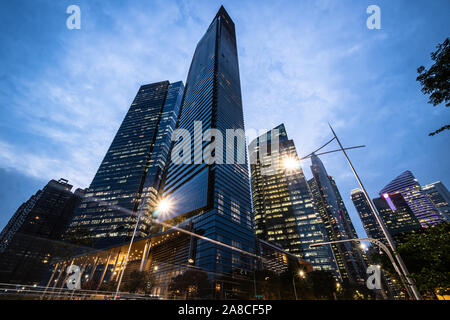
(30, 240)
(129, 177)
(211, 195)
(349, 256)
(368, 219)
(440, 197)
(417, 200)
(284, 210)
(396, 215)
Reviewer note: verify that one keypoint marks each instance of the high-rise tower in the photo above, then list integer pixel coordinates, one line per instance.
(396, 215)
(439, 195)
(285, 213)
(207, 191)
(349, 256)
(129, 176)
(417, 200)
(366, 214)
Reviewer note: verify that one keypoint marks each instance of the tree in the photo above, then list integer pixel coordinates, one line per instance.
(427, 257)
(354, 291)
(436, 80)
(139, 281)
(190, 284)
(323, 284)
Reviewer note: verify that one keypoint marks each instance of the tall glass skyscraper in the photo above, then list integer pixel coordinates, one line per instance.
(285, 213)
(213, 198)
(417, 200)
(129, 176)
(439, 195)
(368, 219)
(349, 257)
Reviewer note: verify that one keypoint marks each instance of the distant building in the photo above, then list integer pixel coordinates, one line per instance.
(284, 210)
(440, 197)
(420, 204)
(397, 215)
(129, 177)
(366, 214)
(349, 256)
(31, 239)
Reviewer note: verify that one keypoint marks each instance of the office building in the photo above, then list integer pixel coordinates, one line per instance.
(367, 216)
(32, 237)
(420, 204)
(397, 216)
(439, 195)
(349, 256)
(284, 210)
(129, 177)
(207, 190)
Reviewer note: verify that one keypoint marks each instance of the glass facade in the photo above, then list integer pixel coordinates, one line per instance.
(417, 200)
(396, 214)
(439, 195)
(213, 197)
(129, 176)
(368, 219)
(349, 256)
(30, 240)
(284, 211)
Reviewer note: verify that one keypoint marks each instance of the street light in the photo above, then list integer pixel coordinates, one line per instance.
(409, 283)
(301, 274)
(412, 290)
(377, 242)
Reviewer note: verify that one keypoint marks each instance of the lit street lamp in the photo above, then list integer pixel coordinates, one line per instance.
(301, 274)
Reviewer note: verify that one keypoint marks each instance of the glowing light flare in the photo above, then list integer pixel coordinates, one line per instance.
(164, 207)
(291, 163)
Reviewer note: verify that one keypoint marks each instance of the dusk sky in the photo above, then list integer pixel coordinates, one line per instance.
(304, 63)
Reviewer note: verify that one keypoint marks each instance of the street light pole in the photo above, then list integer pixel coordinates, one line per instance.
(377, 242)
(295, 290)
(410, 284)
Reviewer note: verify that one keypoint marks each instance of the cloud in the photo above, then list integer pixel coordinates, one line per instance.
(73, 108)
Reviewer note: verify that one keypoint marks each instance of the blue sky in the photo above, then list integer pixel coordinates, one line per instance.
(63, 93)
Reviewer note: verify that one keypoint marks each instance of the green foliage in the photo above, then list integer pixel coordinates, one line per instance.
(314, 285)
(190, 284)
(349, 291)
(139, 281)
(323, 284)
(427, 256)
(436, 80)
